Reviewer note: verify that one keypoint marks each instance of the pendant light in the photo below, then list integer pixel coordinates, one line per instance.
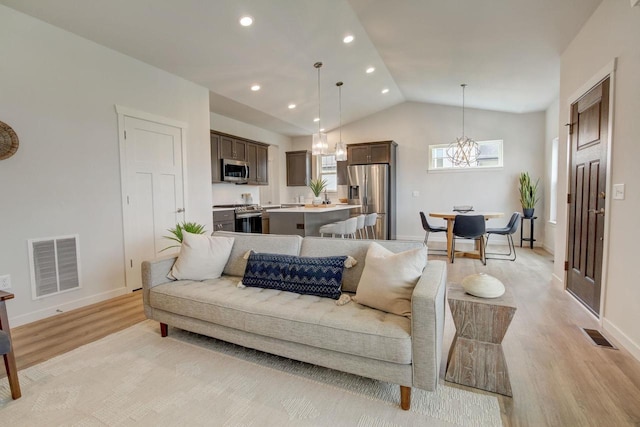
(463, 151)
(341, 147)
(319, 143)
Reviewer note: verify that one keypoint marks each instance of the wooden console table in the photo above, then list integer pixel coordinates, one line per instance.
(476, 358)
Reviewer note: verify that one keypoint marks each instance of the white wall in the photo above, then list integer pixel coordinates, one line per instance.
(58, 92)
(612, 31)
(225, 193)
(551, 132)
(415, 126)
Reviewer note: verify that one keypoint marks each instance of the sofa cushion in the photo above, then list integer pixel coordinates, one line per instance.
(244, 242)
(320, 276)
(388, 278)
(201, 257)
(317, 246)
(305, 319)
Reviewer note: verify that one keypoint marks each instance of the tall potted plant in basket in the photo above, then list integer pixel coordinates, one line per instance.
(528, 194)
(316, 186)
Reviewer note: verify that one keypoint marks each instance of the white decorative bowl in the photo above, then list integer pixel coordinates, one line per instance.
(482, 285)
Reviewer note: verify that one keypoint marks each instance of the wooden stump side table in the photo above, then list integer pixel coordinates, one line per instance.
(476, 358)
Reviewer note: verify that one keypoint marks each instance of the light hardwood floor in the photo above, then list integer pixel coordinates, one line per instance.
(558, 377)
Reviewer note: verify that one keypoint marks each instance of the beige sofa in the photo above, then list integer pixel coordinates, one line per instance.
(351, 338)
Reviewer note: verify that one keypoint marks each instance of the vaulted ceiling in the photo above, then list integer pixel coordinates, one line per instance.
(507, 51)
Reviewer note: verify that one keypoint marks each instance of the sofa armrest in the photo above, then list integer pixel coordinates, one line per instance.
(427, 324)
(154, 272)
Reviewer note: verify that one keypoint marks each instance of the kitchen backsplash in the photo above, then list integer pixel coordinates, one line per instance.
(226, 194)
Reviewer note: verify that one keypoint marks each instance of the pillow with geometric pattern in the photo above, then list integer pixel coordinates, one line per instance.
(320, 276)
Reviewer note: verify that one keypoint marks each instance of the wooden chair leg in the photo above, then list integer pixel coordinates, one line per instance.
(164, 329)
(12, 374)
(405, 397)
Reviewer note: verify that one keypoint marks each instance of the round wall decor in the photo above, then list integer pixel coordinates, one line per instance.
(8, 141)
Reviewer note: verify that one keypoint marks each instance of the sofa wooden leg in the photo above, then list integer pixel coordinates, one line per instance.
(405, 397)
(164, 329)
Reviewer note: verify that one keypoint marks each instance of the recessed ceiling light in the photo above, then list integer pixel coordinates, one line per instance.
(385, 90)
(245, 21)
(322, 130)
(348, 38)
(370, 70)
(317, 119)
(292, 106)
(255, 87)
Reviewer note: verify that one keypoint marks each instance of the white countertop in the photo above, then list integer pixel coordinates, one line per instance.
(302, 209)
(221, 209)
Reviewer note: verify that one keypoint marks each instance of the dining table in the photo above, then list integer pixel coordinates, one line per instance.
(450, 217)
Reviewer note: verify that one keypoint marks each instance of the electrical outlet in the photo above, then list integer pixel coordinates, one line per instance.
(5, 282)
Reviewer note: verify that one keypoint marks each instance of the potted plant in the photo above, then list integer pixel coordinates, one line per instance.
(177, 232)
(316, 186)
(528, 194)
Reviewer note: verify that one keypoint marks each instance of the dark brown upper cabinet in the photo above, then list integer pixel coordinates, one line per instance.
(298, 168)
(371, 152)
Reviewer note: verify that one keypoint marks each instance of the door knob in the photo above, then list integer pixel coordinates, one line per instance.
(597, 211)
(180, 210)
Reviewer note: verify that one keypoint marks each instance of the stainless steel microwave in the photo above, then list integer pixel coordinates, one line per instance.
(235, 171)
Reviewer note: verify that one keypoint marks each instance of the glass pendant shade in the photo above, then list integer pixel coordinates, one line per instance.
(463, 151)
(319, 144)
(341, 147)
(341, 151)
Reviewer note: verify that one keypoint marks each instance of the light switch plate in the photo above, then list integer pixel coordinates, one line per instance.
(416, 193)
(618, 190)
(5, 282)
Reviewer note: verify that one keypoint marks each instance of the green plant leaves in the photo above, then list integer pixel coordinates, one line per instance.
(177, 232)
(528, 191)
(317, 185)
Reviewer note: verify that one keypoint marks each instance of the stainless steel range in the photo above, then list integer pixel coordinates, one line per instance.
(248, 218)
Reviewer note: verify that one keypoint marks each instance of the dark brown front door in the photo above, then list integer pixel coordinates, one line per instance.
(589, 139)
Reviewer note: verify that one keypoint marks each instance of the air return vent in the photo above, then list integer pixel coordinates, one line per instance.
(597, 338)
(54, 265)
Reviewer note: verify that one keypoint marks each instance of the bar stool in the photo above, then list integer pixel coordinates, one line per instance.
(370, 221)
(346, 228)
(350, 227)
(360, 226)
(333, 229)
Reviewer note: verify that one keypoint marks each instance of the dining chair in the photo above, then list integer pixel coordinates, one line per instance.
(428, 228)
(508, 230)
(6, 347)
(469, 227)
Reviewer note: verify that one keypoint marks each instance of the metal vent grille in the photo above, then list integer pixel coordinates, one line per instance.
(597, 338)
(54, 265)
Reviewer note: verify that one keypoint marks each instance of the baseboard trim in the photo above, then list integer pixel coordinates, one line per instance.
(33, 316)
(557, 280)
(621, 339)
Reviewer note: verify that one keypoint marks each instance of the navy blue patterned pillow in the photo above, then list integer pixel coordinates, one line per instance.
(320, 276)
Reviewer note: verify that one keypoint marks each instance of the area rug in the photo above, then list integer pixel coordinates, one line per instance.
(135, 377)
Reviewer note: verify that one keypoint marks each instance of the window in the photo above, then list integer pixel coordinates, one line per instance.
(553, 203)
(490, 156)
(328, 171)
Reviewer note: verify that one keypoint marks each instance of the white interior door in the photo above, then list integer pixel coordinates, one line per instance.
(153, 191)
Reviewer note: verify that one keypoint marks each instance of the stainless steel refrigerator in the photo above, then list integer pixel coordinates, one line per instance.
(373, 187)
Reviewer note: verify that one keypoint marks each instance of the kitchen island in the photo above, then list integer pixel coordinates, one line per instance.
(305, 221)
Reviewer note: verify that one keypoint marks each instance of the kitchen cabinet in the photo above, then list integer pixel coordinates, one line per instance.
(216, 173)
(224, 220)
(371, 152)
(258, 158)
(255, 153)
(231, 148)
(298, 168)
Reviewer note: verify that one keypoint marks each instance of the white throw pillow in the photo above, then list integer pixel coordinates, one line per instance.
(201, 257)
(388, 278)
